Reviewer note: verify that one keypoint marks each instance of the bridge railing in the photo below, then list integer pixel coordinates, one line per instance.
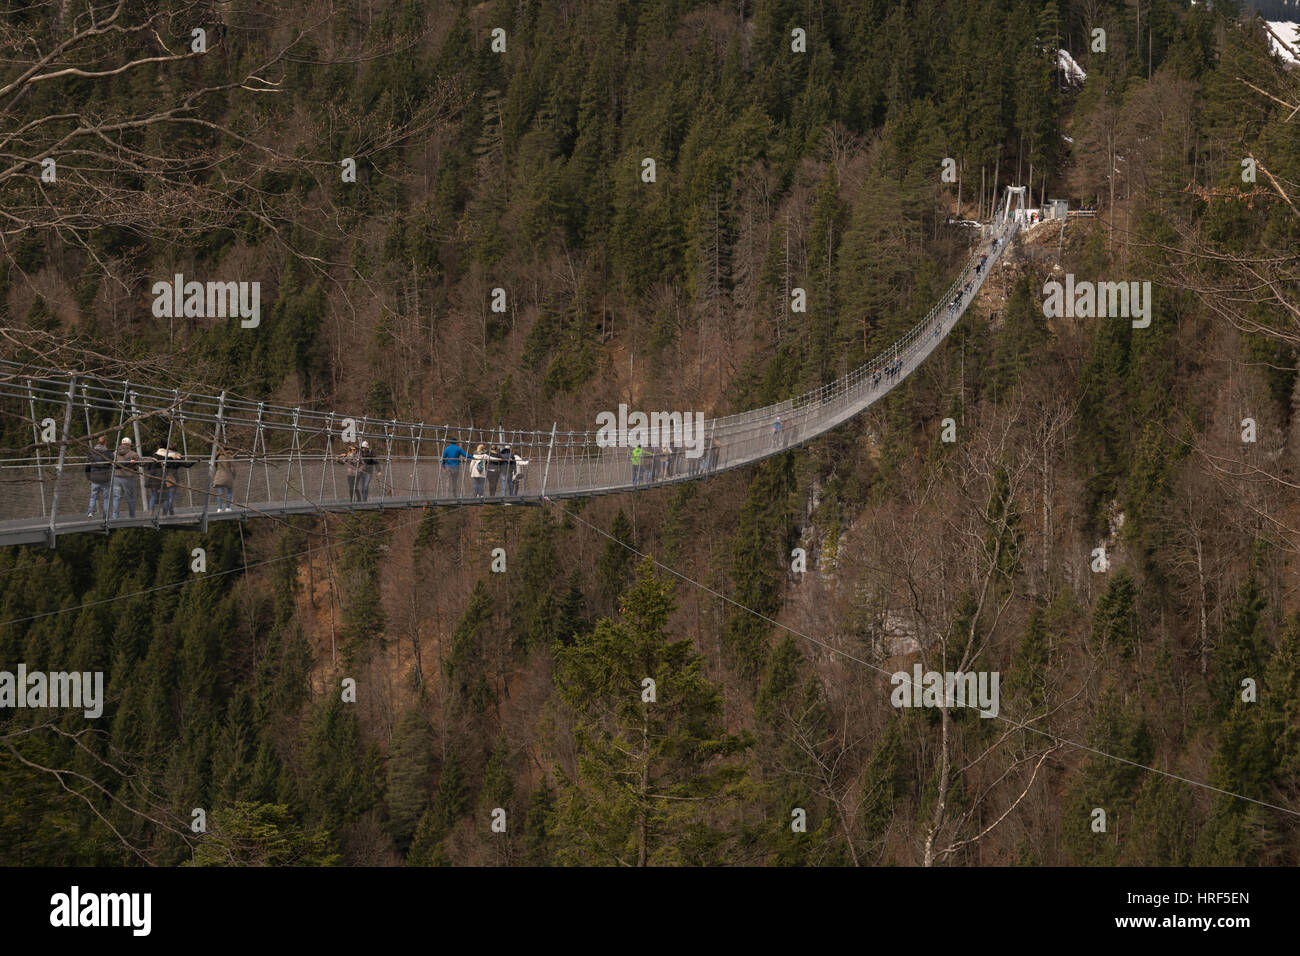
(291, 459)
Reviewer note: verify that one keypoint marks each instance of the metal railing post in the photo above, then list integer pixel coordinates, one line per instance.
(302, 473)
(135, 428)
(63, 451)
(546, 473)
(288, 467)
(415, 463)
(212, 463)
(36, 443)
(167, 446)
(327, 461)
(185, 453)
(252, 459)
(390, 430)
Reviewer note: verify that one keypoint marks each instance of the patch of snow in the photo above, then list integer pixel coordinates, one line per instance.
(1073, 72)
(1286, 30)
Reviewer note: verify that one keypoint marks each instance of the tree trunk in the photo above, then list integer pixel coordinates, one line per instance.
(643, 823)
(993, 186)
(1047, 509)
(1110, 163)
(960, 169)
(1200, 582)
(941, 798)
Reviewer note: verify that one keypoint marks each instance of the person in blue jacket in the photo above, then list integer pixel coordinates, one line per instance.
(451, 458)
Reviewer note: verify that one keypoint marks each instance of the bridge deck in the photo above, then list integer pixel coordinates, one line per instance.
(287, 460)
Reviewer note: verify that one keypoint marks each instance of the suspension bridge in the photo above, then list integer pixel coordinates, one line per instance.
(287, 461)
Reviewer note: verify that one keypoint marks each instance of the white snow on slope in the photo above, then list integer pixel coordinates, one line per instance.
(1287, 31)
(1073, 72)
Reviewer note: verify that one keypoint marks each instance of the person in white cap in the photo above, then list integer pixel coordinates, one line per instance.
(171, 481)
(151, 465)
(124, 472)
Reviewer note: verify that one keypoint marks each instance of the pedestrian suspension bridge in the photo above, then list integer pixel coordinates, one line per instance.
(287, 460)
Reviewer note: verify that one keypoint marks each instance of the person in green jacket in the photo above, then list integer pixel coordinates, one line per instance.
(636, 465)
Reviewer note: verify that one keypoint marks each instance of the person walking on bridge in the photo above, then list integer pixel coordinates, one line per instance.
(223, 481)
(124, 476)
(636, 456)
(99, 469)
(353, 460)
(153, 476)
(521, 467)
(494, 462)
(171, 480)
(509, 471)
(656, 462)
(369, 469)
(451, 459)
(478, 470)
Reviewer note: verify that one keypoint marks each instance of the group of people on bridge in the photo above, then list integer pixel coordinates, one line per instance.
(490, 469)
(362, 469)
(114, 475)
(660, 462)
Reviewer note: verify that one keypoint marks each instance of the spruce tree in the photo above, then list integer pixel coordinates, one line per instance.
(656, 782)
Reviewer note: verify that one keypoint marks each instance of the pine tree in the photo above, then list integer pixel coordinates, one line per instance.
(762, 537)
(792, 710)
(260, 834)
(539, 845)
(410, 776)
(534, 601)
(1241, 648)
(656, 782)
(1114, 620)
(468, 660)
(1018, 341)
(451, 801)
(571, 614)
(341, 777)
(497, 793)
(1107, 784)
(829, 217)
(364, 618)
(614, 562)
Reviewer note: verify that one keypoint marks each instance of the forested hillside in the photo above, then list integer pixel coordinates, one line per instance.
(1104, 529)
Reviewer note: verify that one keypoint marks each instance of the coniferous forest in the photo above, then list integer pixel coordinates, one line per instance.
(1105, 515)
